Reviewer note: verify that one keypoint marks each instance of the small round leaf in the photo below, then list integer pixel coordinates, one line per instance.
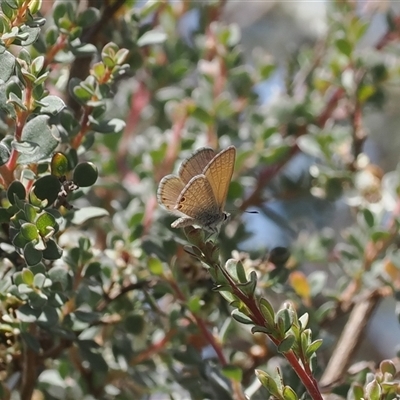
(29, 231)
(18, 189)
(32, 255)
(47, 188)
(134, 323)
(85, 174)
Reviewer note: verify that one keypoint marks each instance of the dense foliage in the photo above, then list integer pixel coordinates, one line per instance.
(99, 297)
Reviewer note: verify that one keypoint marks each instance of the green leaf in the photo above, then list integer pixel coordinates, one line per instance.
(289, 393)
(51, 36)
(202, 115)
(59, 164)
(155, 266)
(266, 70)
(38, 269)
(368, 217)
(59, 12)
(242, 318)
(303, 320)
(88, 17)
(31, 254)
(236, 270)
(47, 188)
(60, 275)
(268, 382)
(88, 353)
(85, 174)
(135, 323)
(249, 287)
(27, 276)
(27, 35)
(52, 250)
(121, 56)
(13, 86)
(358, 391)
(261, 329)
(16, 102)
(4, 216)
(30, 212)
(98, 70)
(83, 49)
(4, 153)
(86, 213)
(313, 347)
(45, 224)
(16, 189)
(48, 317)
(268, 312)
(113, 125)
(380, 235)
(34, 6)
(37, 299)
(39, 280)
(93, 269)
(344, 46)
(373, 390)
(8, 7)
(87, 316)
(23, 288)
(51, 105)
(387, 366)
(152, 37)
(228, 296)
(27, 314)
(7, 64)
(19, 240)
(29, 231)
(232, 372)
(365, 92)
(37, 65)
(286, 344)
(283, 321)
(37, 132)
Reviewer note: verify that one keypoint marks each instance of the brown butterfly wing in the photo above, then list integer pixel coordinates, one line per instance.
(169, 190)
(195, 164)
(219, 173)
(197, 201)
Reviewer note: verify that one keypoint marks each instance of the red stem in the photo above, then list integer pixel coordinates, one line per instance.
(303, 372)
(85, 125)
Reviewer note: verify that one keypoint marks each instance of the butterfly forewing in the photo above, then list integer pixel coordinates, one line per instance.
(195, 164)
(219, 173)
(197, 200)
(169, 190)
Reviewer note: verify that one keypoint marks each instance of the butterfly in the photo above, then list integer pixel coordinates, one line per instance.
(198, 193)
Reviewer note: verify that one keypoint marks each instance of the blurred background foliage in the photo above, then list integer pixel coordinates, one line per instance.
(101, 99)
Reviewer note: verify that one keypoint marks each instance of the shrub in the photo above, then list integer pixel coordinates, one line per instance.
(99, 297)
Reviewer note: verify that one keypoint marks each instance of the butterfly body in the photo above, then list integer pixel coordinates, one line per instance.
(198, 193)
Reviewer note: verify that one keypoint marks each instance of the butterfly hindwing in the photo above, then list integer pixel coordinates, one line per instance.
(219, 173)
(169, 190)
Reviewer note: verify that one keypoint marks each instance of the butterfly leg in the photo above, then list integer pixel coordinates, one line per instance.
(183, 222)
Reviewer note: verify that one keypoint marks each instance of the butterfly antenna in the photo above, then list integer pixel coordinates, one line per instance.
(248, 212)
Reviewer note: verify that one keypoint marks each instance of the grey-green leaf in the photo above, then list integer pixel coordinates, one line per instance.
(38, 132)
